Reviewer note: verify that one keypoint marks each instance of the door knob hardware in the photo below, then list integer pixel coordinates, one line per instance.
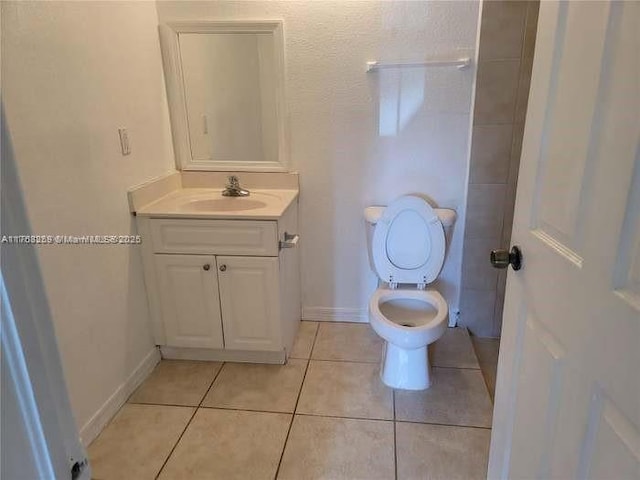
(206, 267)
(502, 258)
(223, 268)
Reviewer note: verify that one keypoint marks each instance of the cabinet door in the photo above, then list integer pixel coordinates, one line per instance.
(190, 303)
(249, 298)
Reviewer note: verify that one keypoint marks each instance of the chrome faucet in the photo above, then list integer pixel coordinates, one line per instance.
(233, 189)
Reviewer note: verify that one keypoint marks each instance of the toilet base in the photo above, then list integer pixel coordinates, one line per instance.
(405, 369)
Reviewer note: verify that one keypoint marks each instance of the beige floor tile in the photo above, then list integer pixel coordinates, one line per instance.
(304, 341)
(272, 388)
(486, 349)
(436, 452)
(137, 441)
(347, 341)
(453, 349)
(338, 448)
(345, 389)
(489, 372)
(229, 444)
(456, 397)
(176, 382)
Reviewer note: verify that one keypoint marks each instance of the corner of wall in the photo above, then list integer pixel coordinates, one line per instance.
(92, 428)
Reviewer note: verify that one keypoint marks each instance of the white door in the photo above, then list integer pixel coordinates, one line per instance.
(568, 390)
(39, 435)
(249, 297)
(189, 300)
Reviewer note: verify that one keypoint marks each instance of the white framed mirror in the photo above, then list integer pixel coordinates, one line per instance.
(225, 88)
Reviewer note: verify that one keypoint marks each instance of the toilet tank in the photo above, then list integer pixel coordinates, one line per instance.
(372, 215)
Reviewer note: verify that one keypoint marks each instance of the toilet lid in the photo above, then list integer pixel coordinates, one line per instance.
(408, 242)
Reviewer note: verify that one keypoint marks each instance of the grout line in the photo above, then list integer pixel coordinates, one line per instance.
(313, 344)
(151, 404)
(443, 424)
(195, 410)
(211, 384)
(395, 437)
(344, 361)
(321, 416)
(393, 393)
(236, 409)
(293, 415)
(344, 418)
(458, 368)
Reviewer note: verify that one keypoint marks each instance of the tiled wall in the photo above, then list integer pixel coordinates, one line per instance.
(507, 38)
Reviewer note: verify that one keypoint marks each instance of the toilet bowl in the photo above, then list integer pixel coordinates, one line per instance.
(408, 321)
(407, 248)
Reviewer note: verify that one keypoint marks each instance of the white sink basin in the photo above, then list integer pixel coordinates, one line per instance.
(209, 203)
(212, 203)
(229, 204)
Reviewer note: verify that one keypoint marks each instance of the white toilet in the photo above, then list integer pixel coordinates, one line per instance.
(407, 245)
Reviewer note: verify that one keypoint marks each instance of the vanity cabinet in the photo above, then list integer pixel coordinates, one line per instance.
(201, 296)
(190, 302)
(249, 301)
(222, 290)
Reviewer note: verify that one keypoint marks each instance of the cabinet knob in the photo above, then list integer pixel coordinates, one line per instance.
(223, 268)
(206, 267)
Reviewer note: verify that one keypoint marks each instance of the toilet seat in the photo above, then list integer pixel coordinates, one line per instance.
(408, 243)
(408, 337)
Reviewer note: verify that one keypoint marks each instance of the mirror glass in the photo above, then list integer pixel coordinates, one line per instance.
(230, 96)
(226, 94)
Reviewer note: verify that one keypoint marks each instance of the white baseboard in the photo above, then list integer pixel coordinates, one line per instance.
(105, 413)
(327, 314)
(221, 355)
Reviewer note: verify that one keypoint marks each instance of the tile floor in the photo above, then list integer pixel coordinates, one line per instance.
(487, 352)
(325, 414)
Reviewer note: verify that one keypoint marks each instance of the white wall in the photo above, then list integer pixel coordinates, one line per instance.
(359, 139)
(72, 74)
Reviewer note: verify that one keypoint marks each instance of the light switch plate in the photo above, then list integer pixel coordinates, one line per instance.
(125, 147)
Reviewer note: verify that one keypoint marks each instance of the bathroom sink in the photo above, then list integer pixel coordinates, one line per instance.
(209, 203)
(228, 204)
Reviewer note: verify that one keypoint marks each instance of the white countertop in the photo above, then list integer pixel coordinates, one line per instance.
(261, 204)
